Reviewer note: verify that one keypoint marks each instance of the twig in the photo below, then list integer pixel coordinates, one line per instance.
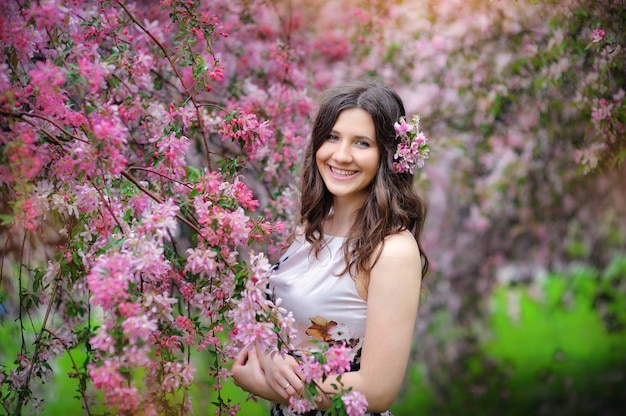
(68, 350)
(160, 174)
(108, 206)
(159, 200)
(178, 75)
(20, 402)
(22, 114)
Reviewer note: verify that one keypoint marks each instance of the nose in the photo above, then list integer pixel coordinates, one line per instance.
(342, 153)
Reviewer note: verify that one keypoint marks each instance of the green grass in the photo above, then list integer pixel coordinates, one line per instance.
(556, 350)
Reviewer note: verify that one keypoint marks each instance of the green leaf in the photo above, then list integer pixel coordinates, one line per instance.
(7, 219)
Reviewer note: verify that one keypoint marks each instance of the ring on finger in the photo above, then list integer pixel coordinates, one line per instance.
(287, 386)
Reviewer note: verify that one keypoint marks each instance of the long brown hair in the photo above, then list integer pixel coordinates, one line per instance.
(392, 204)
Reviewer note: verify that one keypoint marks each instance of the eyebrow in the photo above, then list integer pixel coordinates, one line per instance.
(356, 137)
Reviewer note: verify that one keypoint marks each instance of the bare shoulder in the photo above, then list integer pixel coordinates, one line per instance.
(399, 260)
(396, 275)
(400, 245)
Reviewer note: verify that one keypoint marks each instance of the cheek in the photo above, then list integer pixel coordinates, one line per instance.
(319, 162)
(321, 155)
(374, 161)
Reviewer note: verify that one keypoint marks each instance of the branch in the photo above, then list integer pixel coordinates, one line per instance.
(160, 174)
(34, 360)
(69, 354)
(178, 75)
(158, 199)
(22, 114)
(108, 206)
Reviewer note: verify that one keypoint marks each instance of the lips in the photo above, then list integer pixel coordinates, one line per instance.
(342, 172)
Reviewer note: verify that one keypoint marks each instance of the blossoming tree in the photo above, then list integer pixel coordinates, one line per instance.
(130, 130)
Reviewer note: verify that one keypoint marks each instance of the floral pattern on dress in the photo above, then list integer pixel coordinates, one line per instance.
(331, 332)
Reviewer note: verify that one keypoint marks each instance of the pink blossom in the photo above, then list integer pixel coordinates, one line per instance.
(177, 374)
(46, 75)
(137, 356)
(93, 72)
(138, 327)
(401, 127)
(338, 359)
(355, 403)
(159, 305)
(201, 261)
(246, 130)
(26, 214)
(103, 341)
(597, 35)
(300, 405)
(128, 308)
(249, 314)
(184, 324)
(602, 111)
(160, 219)
(244, 195)
(107, 376)
(87, 198)
(108, 280)
(127, 398)
(311, 368)
(217, 73)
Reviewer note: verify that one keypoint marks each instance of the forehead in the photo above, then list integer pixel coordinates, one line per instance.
(355, 122)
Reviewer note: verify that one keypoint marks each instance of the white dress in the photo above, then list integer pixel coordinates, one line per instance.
(325, 305)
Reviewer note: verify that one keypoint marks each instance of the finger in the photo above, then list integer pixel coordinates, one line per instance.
(242, 357)
(286, 390)
(252, 355)
(293, 376)
(295, 384)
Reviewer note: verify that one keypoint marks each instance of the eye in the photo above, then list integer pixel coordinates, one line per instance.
(332, 138)
(362, 143)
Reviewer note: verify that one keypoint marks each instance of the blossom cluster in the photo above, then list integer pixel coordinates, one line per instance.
(247, 131)
(412, 149)
(318, 366)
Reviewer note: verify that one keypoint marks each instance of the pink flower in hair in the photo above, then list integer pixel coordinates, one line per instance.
(412, 150)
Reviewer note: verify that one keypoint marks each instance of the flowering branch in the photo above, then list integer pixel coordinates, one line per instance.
(179, 76)
(158, 199)
(21, 114)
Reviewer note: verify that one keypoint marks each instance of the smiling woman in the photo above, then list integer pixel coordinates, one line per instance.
(352, 277)
(348, 160)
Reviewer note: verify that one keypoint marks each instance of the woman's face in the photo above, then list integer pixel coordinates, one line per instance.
(349, 157)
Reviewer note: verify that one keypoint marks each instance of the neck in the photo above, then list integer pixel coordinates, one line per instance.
(342, 217)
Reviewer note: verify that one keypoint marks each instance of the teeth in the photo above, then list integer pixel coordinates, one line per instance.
(341, 172)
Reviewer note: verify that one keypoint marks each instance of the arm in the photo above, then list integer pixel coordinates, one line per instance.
(393, 297)
(392, 302)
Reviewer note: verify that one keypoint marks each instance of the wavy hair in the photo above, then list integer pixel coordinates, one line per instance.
(392, 204)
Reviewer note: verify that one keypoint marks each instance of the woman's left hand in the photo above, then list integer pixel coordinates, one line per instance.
(248, 375)
(282, 373)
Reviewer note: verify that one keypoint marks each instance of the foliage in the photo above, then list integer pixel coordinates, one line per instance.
(553, 347)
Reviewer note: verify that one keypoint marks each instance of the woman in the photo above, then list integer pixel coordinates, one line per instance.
(353, 276)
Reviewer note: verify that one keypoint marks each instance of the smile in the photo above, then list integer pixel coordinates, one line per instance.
(342, 172)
